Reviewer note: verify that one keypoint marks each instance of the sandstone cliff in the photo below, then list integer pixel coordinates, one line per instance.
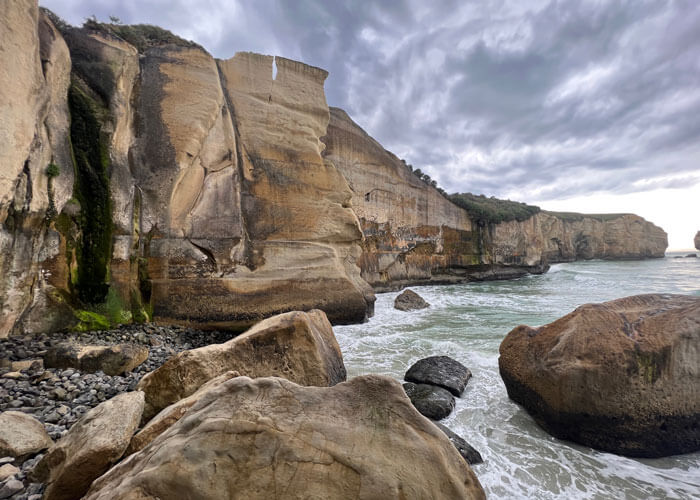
(414, 234)
(200, 195)
(142, 179)
(696, 240)
(34, 80)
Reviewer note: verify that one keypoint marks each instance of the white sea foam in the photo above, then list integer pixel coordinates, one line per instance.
(468, 323)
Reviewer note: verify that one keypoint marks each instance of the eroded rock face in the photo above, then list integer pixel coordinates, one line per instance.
(220, 210)
(268, 438)
(171, 414)
(415, 235)
(298, 346)
(622, 376)
(33, 134)
(696, 241)
(90, 447)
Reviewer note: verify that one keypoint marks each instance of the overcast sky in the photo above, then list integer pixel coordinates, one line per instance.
(591, 106)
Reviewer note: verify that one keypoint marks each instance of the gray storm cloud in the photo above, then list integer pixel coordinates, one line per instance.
(544, 99)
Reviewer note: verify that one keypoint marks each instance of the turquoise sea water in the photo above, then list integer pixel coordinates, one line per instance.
(468, 322)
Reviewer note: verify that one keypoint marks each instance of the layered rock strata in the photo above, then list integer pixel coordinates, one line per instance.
(415, 235)
(622, 376)
(198, 194)
(145, 180)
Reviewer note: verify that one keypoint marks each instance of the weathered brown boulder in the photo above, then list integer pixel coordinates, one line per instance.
(696, 240)
(113, 360)
(299, 346)
(622, 376)
(270, 438)
(171, 414)
(90, 447)
(21, 435)
(408, 300)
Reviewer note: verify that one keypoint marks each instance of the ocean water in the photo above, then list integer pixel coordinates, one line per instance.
(468, 322)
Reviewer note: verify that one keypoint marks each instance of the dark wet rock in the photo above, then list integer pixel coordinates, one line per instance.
(442, 371)
(408, 300)
(430, 400)
(692, 256)
(467, 451)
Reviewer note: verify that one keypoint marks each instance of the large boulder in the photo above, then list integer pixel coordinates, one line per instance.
(171, 414)
(90, 447)
(271, 438)
(299, 346)
(442, 371)
(696, 240)
(430, 400)
(408, 300)
(622, 376)
(112, 360)
(21, 435)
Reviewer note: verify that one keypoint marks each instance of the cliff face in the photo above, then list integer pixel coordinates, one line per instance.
(34, 79)
(200, 195)
(413, 234)
(696, 240)
(143, 179)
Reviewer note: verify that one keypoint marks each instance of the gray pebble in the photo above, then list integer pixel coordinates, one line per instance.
(10, 488)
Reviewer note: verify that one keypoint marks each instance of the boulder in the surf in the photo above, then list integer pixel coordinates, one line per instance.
(432, 401)
(408, 300)
(621, 376)
(442, 371)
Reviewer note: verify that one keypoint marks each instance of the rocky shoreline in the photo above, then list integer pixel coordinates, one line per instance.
(59, 398)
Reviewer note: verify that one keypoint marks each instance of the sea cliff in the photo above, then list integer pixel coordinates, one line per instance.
(143, 179)
(414, 234)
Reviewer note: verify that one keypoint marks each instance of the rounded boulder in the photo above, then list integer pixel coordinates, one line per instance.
(621, 376)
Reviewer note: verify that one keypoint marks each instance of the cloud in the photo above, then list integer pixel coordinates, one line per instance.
(541, 99)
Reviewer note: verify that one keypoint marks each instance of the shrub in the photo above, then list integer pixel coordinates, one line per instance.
(493, 210)
(52, 170)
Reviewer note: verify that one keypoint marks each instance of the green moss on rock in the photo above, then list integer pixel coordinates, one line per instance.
(90, 321)
(92, 192)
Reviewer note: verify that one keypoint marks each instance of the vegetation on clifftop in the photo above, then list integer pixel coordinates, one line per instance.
(493, 210)
(141, 36)
(575, 216)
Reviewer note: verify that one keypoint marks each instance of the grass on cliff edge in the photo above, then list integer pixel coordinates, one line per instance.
(575, 216)
(141, 36)
(493, 210)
